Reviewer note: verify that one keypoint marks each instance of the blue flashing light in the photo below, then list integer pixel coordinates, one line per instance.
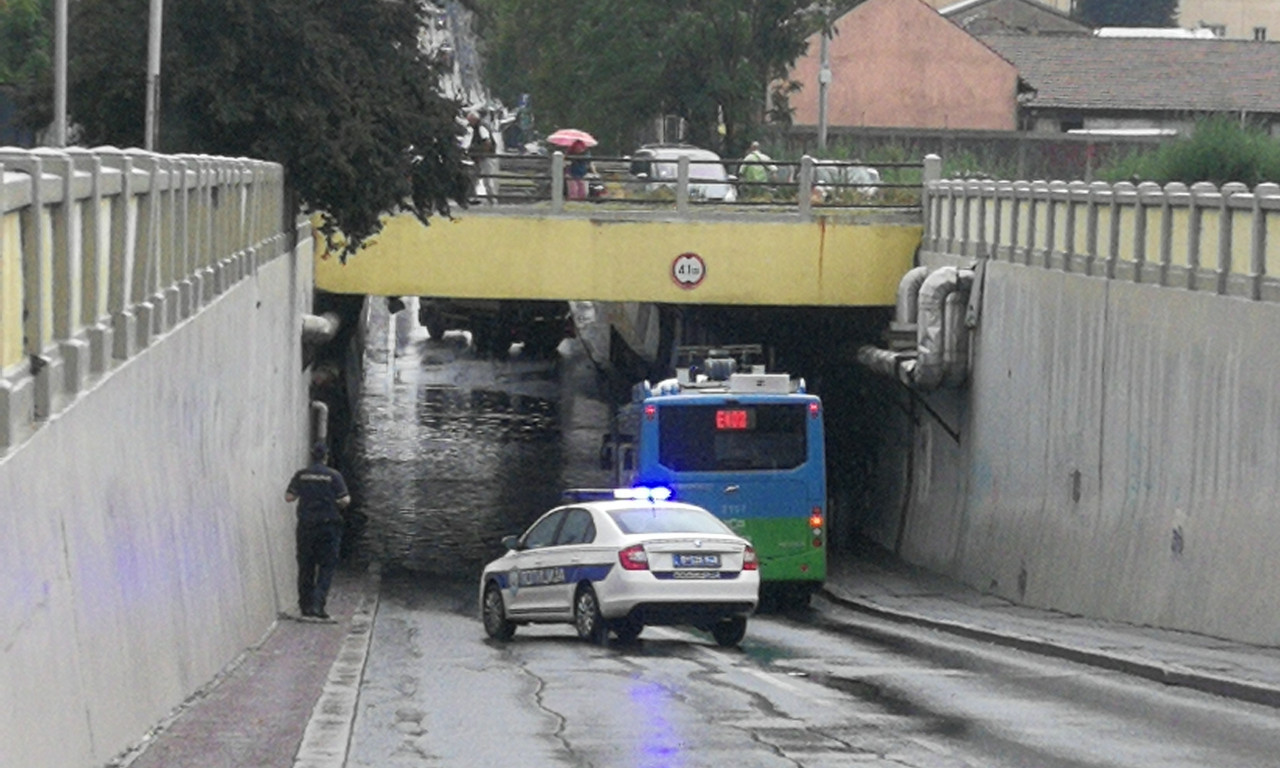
(604, 494)
(643, 493)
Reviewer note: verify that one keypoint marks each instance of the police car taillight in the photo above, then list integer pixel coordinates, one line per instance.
(634, 558)
(749, 561)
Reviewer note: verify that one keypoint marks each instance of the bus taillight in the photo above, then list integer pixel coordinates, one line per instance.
(815, 520)
(650, 411)
(813, 410)
(634, 558)
(749, 560)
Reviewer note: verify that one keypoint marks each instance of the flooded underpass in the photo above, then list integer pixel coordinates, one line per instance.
(450, 452)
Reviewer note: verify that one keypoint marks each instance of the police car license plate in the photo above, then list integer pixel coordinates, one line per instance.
(695, 561)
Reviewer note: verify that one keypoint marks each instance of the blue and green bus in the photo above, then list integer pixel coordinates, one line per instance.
(745, 444)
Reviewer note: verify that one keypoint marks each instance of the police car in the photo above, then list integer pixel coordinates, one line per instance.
(616, 560)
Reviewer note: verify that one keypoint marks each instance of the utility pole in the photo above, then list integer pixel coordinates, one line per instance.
(153, 74)
(60, 73)
(824, 77)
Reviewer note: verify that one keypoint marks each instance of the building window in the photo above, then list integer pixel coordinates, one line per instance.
(1259, 33)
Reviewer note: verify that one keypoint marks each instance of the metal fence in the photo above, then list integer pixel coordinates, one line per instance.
(687, 185)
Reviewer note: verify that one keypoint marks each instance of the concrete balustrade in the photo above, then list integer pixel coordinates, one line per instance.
(102, 250)
(1201, 238)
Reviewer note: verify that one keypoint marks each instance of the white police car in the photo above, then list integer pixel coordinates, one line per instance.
(620, 559)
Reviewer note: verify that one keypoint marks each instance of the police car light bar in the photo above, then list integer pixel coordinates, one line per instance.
(604, 494)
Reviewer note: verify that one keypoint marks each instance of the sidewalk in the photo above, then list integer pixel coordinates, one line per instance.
(876, 583)
(290, 701)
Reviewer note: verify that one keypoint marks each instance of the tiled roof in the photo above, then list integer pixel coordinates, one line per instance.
(1145, 74)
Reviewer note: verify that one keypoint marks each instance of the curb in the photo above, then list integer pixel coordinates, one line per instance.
(327, 737)
(1217, 685)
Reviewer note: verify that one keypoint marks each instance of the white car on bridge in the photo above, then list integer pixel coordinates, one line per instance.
(658, 167)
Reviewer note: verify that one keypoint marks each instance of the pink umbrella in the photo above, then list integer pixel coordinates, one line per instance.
(567, 137)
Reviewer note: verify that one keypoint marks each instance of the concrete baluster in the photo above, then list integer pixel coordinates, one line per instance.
(557, 182)
(68, 284)
(1002, 235)
(1173, 192)
(1203, 194)
(1144, 270)
(682, 185)
(804, 191)
(1099, 194)
(37, 288)
(1266, 199)
(15, 403)
(1055, 197)
(1074, 260)
(1124, 197)
(986, 204)
(1027, 236)
(145, 243)
(931, 172)
(1226, 233)
(95, 262)
(122, 253)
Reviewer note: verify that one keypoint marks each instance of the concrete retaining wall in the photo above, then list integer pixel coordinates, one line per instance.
(147, 542)
(1120, 433)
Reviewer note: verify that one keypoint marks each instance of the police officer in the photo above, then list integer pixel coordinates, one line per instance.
(321, 493)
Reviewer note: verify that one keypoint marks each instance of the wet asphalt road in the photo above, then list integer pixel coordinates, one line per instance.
(455, 452)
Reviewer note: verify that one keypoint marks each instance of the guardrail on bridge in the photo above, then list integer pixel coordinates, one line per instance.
(701, 186)
(103, 249)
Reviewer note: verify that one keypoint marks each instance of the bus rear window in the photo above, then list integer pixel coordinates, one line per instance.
(718, 438)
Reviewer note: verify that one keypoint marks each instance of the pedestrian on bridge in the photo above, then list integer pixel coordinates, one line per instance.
(481, 147)
(321, 493)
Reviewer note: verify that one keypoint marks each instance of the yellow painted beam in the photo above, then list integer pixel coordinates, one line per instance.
(826, 262)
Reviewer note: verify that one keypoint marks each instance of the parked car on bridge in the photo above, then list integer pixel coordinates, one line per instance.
(842, 180)
(656, 166)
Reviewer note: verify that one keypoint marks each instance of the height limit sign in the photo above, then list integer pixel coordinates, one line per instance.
(688, 269)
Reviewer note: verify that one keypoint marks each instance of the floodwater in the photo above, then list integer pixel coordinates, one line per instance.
(452, 452)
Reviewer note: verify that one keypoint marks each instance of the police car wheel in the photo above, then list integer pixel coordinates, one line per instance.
(496, 624)
(730, 631)
(586, 616)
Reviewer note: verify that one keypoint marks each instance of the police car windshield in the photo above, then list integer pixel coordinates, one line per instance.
(666, 520)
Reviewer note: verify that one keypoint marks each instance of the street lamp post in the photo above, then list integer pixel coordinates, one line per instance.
(824, 77)
(60, 73)
(153, 74)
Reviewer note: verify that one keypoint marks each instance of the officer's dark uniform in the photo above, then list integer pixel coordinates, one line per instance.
(317, 489)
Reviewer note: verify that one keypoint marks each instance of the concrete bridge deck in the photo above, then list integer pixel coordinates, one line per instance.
(666, 247)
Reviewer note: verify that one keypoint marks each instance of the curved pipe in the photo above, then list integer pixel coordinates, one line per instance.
(908, 305)
(933, 305)
(929, 369)
(320, 329)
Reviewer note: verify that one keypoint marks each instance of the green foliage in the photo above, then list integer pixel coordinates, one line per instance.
(1220, 150)
(339, 93)
(609, 66)
(26, 35)
(1128, 13)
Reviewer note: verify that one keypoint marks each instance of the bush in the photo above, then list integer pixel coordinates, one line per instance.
(1219, 150)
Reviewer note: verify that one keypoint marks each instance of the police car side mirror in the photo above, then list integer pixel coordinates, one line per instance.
(511, 542)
